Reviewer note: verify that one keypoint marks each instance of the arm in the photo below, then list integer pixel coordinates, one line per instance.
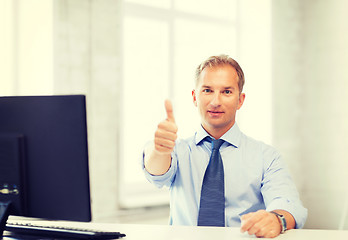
(158, 156)
(280, 195)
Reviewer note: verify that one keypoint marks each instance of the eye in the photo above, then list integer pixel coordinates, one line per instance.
(228, 92)
(207, 90)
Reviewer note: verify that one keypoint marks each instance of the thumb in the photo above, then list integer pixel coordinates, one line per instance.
(169, 109)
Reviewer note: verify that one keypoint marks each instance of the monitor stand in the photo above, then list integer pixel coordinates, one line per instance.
(4, 213)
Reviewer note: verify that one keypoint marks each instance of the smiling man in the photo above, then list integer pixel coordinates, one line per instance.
(219, 176)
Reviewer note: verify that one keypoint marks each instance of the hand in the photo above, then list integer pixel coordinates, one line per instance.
(261, 224)
(166, 132)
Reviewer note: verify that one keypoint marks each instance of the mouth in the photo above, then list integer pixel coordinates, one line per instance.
(214, 113)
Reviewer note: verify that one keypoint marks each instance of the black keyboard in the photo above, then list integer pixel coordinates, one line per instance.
(29, 229)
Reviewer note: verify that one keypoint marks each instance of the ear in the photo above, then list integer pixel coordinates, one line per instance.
(241, 100)
(194, 98)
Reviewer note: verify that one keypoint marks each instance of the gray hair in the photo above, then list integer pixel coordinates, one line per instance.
(218, 61)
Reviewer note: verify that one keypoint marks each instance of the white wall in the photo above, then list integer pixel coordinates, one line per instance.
(310, 79)
(255, 57)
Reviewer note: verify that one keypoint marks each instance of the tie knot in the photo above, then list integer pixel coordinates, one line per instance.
(217, 144)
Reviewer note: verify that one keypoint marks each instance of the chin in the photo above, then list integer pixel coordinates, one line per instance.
(219, 125)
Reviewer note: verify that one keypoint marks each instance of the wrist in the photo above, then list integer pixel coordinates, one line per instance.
(282, 221)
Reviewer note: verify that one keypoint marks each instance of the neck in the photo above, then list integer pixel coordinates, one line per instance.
(216, 133)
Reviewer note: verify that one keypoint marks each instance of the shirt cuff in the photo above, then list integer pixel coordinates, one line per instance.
(159, 180)
(295, 209)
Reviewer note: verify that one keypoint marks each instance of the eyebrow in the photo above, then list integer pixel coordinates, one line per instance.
(206, 86)
(229, 88)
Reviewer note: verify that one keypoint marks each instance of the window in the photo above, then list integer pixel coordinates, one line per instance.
(163, 43)
(6, 47)
(26, 50)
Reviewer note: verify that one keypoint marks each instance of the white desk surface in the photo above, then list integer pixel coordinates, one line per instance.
(155, 232)
(165, 232)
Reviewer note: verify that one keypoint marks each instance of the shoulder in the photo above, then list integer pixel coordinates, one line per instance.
(251, 145)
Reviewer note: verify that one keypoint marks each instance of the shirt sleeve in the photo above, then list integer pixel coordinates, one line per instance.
(161, 180)
(279, 190)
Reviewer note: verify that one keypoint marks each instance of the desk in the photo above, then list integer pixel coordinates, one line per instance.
(164, 232)
(147, 232)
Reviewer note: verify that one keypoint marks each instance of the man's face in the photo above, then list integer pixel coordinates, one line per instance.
(217, 98)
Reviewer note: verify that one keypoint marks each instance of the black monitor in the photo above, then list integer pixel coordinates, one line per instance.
(44, 157)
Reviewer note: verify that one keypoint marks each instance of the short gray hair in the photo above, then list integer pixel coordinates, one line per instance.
(218, 61)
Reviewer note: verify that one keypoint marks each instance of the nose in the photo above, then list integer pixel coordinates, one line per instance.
(216, 100)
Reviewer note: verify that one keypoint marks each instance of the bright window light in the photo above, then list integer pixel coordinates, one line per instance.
(162, 46)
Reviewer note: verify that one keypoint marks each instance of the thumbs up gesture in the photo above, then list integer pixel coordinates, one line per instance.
(158, 156)
(166, 132)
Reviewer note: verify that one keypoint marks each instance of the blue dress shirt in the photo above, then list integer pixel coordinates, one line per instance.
(255, 178)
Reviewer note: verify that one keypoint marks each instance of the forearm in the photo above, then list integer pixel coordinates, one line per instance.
(155, 162)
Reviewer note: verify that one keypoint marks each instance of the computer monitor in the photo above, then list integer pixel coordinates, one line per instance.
(44, 157)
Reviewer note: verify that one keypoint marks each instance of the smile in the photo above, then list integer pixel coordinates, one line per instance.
(215, 113)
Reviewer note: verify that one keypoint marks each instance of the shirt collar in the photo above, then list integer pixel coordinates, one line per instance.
(232, 136)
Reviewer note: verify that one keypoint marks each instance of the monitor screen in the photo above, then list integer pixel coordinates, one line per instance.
(44, 157)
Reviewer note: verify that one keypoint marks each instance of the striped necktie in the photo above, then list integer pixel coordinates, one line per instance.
(212, 203)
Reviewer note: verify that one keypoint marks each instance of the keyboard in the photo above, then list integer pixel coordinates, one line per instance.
(54, 232)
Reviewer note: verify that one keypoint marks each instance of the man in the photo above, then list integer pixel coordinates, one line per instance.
(259, 194)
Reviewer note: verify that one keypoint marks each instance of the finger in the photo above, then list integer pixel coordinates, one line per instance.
(162, 149)
(271, 234)
(243, 227)
(259, 229)
(267, 231)
(248, 221)
(164, 146)
(245, 216)
(169, 109)
(167, 126)
(164, 143)
(160, 133)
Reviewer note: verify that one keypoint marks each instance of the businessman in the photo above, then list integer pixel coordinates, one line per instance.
(220, 176)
